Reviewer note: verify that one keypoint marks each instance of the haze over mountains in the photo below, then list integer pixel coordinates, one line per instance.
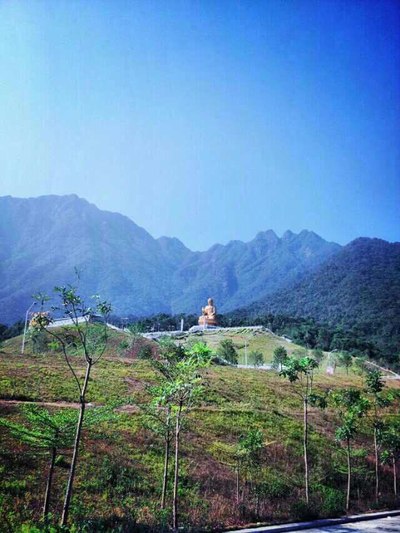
(43, 240)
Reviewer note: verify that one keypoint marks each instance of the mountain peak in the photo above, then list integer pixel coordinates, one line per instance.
(269, 236)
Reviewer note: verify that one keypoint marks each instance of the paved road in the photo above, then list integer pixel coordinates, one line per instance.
(383, 525)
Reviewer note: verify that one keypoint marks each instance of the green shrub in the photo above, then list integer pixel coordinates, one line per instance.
(333, 502)
(145, 352)
(303, 511)
(14, 487)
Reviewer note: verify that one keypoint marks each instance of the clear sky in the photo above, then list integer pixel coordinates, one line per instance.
(208, 120)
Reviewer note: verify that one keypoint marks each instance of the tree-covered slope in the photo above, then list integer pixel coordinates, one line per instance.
(358, 288)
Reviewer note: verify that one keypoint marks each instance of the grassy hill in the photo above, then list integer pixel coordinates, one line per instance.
(245, 339)
(119, 471)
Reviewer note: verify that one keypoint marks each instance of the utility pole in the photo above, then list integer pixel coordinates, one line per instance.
(25, 327)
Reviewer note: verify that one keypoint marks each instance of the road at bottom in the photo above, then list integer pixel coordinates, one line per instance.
(390, 524)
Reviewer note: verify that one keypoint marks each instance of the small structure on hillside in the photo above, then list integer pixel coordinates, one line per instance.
(208, 314)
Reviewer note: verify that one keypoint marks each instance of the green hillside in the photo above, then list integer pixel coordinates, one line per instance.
(245, 341)
(119, 470)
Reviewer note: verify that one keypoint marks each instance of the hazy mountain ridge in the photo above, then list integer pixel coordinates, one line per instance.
(43, 239)
(358, 288)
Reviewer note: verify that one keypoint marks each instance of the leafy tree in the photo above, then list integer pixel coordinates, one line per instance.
(39, 340)
(390, 442)
(300, 372)
(279, 357)
(91, 341)
(345, 359)
(227, 350)
(180, 393)
(351, 406)
(318, 355)
(359, 365)
(248, 456)
(256, 358)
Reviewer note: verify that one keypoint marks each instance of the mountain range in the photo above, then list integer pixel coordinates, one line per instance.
(44, 240)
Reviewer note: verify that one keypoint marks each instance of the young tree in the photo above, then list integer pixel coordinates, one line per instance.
(345, 360)
(46, 431)
(374, 387)
(256, 358)
(157, 416)
(248, 455)
(350, 406)
(92, 342)
(359, 365)
(300, 372)
(279, 358)
(52, 432)
(181, 393)
(390, 442)
(227, 350)
(318, 355)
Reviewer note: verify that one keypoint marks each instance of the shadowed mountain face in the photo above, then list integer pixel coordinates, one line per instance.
(43, 240)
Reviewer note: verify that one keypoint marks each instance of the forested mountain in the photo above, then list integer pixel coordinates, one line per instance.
(43, 240)
(358, 289)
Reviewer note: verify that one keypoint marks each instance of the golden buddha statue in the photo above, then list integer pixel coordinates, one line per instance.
(209, 314)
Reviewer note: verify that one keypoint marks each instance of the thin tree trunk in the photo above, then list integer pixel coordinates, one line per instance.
(176, 473)
(166, 460)
(305, 444)
(376, 466)
(257, 504)
(348, 476)
(68, 492)
(237, 485)
(394, 477)
(49, 482)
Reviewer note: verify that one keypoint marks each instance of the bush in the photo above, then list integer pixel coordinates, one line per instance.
(145, 352)
(333, 502)
(227, 350)
(256, 358)
(304, 511)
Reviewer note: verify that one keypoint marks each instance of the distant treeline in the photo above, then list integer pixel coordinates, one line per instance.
(7, 332)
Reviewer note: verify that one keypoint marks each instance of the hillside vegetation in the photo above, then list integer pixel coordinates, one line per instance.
(118, 479)
(357, 290)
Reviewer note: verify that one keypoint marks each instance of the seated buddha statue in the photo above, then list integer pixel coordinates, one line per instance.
(209, 314)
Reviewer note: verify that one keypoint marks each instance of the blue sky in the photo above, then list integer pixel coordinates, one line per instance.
(207, 120)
